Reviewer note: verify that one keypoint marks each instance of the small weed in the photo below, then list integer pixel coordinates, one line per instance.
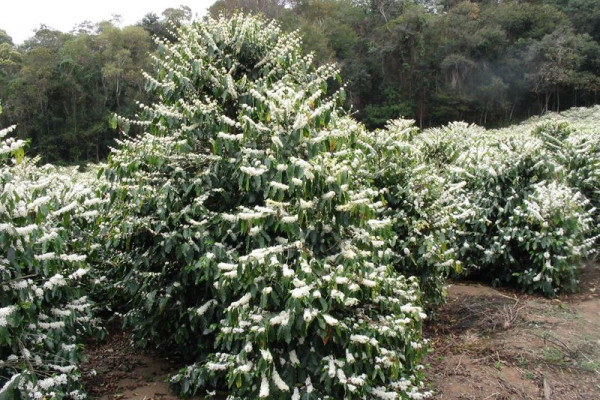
(498, 365)
(591, 366)
(529, 375)
(553, 355)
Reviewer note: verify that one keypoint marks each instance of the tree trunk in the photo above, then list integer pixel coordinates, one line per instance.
(512, 109)
(118, 90)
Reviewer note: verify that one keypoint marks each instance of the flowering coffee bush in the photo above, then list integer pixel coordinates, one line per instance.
(493, 184)
(413, 187)
(576, 148)
(549, 232)
(440, 147)
(44, 311)
(243, 235)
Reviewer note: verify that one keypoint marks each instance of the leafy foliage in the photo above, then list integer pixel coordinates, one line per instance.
(45, 215)
(243, 236)
(517, 211)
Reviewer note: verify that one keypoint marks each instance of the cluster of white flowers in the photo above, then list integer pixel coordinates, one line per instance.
(4, 313)
(43, 212)
(9, 145)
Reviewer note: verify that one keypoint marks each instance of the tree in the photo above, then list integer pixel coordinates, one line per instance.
(4, 38)
(584, 14)
(555, 63)
(10, 64)
(61, 88)
(271, 9)
(165, 26)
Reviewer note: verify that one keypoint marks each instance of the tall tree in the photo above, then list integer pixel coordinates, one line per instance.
(556, 62)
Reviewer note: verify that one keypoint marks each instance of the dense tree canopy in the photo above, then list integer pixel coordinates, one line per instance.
(62, 88)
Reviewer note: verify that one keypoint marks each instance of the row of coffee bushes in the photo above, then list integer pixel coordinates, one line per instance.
(524, 198)
(45, 245)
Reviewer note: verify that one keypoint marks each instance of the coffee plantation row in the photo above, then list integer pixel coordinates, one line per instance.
(261, 232)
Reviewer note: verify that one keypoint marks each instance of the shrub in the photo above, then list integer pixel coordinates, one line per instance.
(493, 177)
(550, 232)
(577, 151)
(44, 311)
(244, 235)
(412, 193)
(492, 183)
(440, 147)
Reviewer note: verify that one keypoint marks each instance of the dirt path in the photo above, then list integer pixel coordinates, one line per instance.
(115, 370)
(496, 344)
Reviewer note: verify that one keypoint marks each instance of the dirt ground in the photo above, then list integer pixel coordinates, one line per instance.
(493, 344)
(488, 344)
(116, 370)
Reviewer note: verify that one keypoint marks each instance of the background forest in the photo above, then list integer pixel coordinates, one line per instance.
(486, 62)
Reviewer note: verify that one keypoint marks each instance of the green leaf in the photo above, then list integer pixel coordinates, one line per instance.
(19, 155)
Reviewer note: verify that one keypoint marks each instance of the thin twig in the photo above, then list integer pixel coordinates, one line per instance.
(459, 361)
(493, 394)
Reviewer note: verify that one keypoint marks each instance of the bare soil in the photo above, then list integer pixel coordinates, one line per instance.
(116, 370)
(499, 344)
(487, 344)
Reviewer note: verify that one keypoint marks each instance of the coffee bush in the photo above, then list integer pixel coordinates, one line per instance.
(549, 232)
(493, 182)
(577, 150)
(413, 187)
(245, 236)
(45, 213)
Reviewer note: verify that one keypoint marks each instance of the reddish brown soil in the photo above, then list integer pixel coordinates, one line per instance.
(116, 370)
(498, 344)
